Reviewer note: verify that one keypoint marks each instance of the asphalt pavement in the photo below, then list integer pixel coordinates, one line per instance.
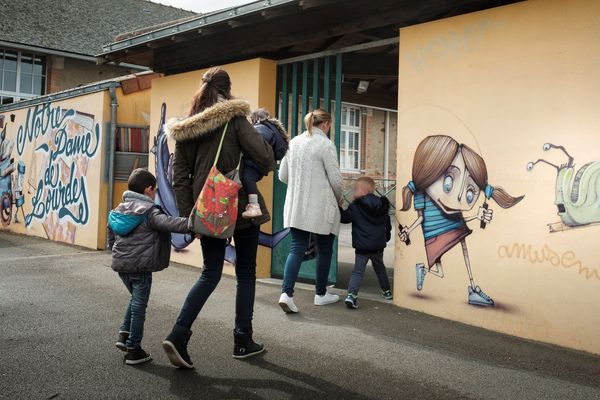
(60, 308)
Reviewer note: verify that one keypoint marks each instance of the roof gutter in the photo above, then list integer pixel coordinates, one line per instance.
(193, 24)
(60, 53)
(67, 94)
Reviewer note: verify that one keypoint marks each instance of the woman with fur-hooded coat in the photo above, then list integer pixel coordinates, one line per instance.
(197, 140)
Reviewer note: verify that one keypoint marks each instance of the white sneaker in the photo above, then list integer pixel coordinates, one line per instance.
(252, 211)
(287, 304)
(327, 298)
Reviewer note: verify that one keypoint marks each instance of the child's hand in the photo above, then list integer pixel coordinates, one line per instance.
(485, 215)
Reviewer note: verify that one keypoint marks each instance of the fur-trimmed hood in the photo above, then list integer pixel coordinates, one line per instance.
(206, 121)
(279, 126)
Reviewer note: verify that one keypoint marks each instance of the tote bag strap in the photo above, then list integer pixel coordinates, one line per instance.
(221, 146)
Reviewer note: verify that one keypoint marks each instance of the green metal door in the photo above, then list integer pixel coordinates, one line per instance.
(294, 94)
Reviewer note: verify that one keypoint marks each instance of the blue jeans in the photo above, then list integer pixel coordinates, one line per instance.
(139, 286)
(299, 245)
(359, 270)
(213, 251)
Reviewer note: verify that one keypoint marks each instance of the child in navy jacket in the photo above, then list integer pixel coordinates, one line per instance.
(371, 230)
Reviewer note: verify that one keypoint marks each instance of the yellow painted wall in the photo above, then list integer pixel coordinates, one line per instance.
(64, 189)
(505, 81)
(252, 80)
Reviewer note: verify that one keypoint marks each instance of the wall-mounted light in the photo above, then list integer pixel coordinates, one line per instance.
(362, 87)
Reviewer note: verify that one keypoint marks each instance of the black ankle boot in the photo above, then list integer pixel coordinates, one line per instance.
(244, 346)
(175, 345)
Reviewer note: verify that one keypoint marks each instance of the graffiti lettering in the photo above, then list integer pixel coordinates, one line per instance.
(40, 120)
(59, 197)
(70, 140)
(547, 255)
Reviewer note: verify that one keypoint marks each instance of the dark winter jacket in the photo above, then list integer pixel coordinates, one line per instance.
(197, 140)
(274, 134)
(139, 234)
(371, 226)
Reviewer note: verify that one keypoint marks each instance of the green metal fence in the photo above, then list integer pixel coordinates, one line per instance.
(294, 95)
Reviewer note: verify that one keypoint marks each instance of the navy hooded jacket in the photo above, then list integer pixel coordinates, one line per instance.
(371, 226)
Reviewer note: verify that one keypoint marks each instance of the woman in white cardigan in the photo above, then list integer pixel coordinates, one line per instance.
(311, 171)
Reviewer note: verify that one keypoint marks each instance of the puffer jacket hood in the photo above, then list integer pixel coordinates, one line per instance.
(130, 214)
(373, 205)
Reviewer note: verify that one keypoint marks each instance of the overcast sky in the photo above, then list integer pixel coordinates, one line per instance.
(202, 5)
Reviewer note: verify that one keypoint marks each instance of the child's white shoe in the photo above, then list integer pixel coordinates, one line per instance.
(327, 298)
(252, 211)
(287, 304)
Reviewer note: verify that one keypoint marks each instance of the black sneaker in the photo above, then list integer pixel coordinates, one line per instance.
(175, 345)
(351, 301)
(122, 341)
(244, 346)
(136, 356)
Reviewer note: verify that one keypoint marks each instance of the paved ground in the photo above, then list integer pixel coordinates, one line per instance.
(60, 307)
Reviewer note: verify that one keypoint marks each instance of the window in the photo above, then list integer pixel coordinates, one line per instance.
(350, 139)
(22, 76)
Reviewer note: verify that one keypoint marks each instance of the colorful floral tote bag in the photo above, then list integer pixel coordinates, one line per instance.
(216, 209)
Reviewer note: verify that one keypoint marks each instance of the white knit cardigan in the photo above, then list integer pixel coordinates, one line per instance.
(311, 171)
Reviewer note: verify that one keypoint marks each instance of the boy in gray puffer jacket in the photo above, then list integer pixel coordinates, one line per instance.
(139, 235)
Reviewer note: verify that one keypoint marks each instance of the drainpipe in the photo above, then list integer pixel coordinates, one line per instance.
(111, 151)
(386, 146)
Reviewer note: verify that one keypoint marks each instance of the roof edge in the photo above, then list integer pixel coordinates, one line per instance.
(67, 94)
(193, 24)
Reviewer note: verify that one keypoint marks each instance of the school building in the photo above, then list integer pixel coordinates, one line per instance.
(50, 47)
(513, 86)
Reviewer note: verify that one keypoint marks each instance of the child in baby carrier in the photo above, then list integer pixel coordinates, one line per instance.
(275, 135)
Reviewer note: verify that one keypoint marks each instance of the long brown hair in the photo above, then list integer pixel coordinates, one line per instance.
(433, 157)
(215, 83)
(316, 118)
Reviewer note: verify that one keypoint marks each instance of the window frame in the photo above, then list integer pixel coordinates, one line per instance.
(346, 130)
(17, 95)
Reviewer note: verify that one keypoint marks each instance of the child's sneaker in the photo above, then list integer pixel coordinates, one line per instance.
(136, 356)
(387, 294)
(122, 341)
(351, 301)
(252, 211)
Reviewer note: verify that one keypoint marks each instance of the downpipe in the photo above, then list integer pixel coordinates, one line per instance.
(114, 104)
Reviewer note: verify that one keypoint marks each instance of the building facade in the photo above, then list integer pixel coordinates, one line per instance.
(45, 48)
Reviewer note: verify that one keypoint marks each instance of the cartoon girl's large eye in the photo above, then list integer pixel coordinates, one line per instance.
(470, 196)
(448, 183)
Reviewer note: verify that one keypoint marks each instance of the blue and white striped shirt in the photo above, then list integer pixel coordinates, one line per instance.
(435, 221)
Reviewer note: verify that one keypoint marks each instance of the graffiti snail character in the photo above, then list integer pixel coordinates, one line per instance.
(447, 180)
(7, 167)
(577, 194)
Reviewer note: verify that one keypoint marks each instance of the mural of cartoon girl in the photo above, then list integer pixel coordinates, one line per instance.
(447, 179)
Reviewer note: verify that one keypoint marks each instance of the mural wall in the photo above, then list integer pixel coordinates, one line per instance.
(498, 150)
(51, 170)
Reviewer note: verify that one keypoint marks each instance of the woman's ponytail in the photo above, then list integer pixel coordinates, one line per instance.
(215, 84)
(308, 122)
(316, 118)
